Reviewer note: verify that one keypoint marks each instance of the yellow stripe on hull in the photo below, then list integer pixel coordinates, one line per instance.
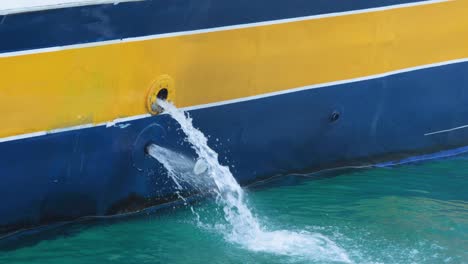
(96, 84)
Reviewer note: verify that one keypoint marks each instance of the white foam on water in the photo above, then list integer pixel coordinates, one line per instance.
(304, 245)
(243, 227)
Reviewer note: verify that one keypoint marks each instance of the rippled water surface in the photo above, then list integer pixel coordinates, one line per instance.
(414, 213)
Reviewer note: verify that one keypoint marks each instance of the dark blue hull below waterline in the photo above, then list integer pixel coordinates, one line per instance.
(104, 170)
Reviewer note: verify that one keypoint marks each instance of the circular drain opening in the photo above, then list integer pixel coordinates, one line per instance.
(334, 116)
(162, 94)
(161, 89)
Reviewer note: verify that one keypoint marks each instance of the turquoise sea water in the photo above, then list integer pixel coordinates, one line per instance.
(414, 213)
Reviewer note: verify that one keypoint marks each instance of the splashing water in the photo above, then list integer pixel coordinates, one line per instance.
(243, 227)
(181, 169)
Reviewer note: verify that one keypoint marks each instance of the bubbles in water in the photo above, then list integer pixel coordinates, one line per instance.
(242, 227)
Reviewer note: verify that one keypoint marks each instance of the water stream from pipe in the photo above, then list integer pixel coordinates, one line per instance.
(239, 226)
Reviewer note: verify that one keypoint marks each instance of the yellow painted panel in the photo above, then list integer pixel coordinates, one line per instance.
(97, 84)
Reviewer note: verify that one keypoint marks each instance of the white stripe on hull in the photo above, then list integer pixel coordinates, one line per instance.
(8, 7)
(446, 130)
(225, 28)
(244, 99)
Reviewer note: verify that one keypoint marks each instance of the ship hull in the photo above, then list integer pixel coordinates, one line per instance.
(76, 127)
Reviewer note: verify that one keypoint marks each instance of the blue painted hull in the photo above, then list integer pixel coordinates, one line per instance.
(104, 170)
(94, 23)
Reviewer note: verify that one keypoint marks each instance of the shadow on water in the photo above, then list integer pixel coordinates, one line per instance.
(31, 237)
(34, 236)
(394, 170)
